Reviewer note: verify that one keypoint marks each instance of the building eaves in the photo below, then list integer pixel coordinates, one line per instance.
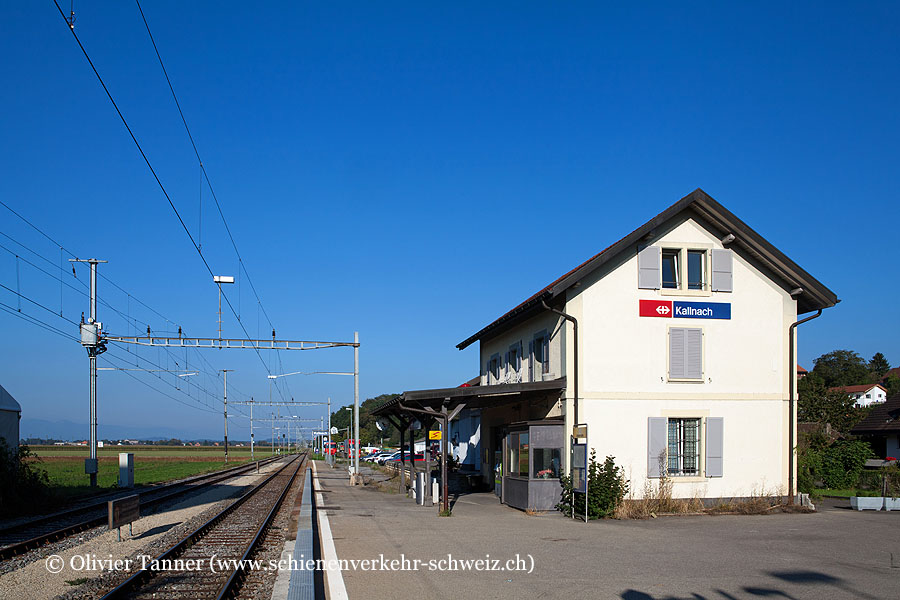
(814, 296)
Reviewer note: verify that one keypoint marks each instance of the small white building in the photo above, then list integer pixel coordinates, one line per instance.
(864, 395)
(10, 414)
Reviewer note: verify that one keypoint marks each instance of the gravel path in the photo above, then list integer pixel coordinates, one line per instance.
(152, 535)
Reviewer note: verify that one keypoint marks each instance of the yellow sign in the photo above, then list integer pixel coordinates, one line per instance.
(579, 431)
(434, 435)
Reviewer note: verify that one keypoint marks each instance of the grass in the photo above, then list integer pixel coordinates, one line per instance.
(181, 451)
(657, 500)
(152, 464)
(844, 493)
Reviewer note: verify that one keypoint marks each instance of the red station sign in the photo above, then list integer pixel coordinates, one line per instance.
(656, 308)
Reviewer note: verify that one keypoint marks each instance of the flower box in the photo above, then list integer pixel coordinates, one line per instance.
(874, 503)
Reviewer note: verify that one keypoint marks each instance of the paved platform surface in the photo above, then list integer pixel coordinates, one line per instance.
(836, 553)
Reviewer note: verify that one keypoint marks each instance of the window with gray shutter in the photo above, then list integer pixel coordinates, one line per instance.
(656, 446)
(685, 353)
(722, 270)
(530, 362)
(648, 268)
(715, 429)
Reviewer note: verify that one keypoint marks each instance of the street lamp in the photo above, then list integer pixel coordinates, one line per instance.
(219, 280)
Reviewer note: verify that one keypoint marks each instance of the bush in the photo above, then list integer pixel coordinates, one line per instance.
(606, 489)
(843, 462)
(23, 486)
(838, 466)
(809, 468)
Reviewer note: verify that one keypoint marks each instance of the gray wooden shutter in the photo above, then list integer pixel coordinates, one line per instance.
(685, 353)
(656, 445)
(649, 277)
(676, 353)
(722, 280)
(714, 442)
(693, 353)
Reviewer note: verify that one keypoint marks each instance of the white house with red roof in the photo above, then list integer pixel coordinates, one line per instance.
(865, 394)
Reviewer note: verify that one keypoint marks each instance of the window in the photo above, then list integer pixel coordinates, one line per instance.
(493, 368)
(696, 269)
(540, 355)
(686, 269)
(673, 446)
(514, 363)
(670, 269)
(683, 446)
(868, 395)
(686, 353)
(546, 463)
(517, 444)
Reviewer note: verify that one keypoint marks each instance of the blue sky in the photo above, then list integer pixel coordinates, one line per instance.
(413, 171)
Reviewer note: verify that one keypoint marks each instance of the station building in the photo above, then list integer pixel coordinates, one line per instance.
(10, 415)
(675, 346)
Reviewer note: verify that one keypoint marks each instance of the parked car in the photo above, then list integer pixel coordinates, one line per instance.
(410, 457)
(374, 457)
(382, 458)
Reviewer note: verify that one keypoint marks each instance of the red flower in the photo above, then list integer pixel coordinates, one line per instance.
(890, 458)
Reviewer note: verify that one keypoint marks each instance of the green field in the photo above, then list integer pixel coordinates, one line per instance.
(152, 464)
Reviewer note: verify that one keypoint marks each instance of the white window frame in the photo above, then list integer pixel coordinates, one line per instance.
(682, 276)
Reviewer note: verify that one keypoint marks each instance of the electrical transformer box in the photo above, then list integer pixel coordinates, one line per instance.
(126, 469)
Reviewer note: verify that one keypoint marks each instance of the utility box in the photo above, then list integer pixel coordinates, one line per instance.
(126, 469)
(90, 334)
(90, 465)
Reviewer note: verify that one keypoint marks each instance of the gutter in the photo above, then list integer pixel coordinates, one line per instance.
(792, 375)
(574, 322)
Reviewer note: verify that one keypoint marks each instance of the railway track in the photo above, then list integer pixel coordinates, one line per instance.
(226, 540)
(19, 539)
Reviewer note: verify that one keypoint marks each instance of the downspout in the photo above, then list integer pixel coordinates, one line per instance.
(792, 375)
(574, 322)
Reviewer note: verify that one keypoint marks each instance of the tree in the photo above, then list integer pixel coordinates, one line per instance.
(818, 403)
(893, 385)
(368, 432)
(879, 365)
(841, 367)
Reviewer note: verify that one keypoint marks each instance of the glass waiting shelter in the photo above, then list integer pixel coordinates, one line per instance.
(532, 464)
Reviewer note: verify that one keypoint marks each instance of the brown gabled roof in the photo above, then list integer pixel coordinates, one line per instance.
(857, 389)
(895, 372)
(884, 418)
(801, 370)
(814, 296)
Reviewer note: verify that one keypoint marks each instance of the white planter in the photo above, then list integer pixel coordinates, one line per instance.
(876, 503)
